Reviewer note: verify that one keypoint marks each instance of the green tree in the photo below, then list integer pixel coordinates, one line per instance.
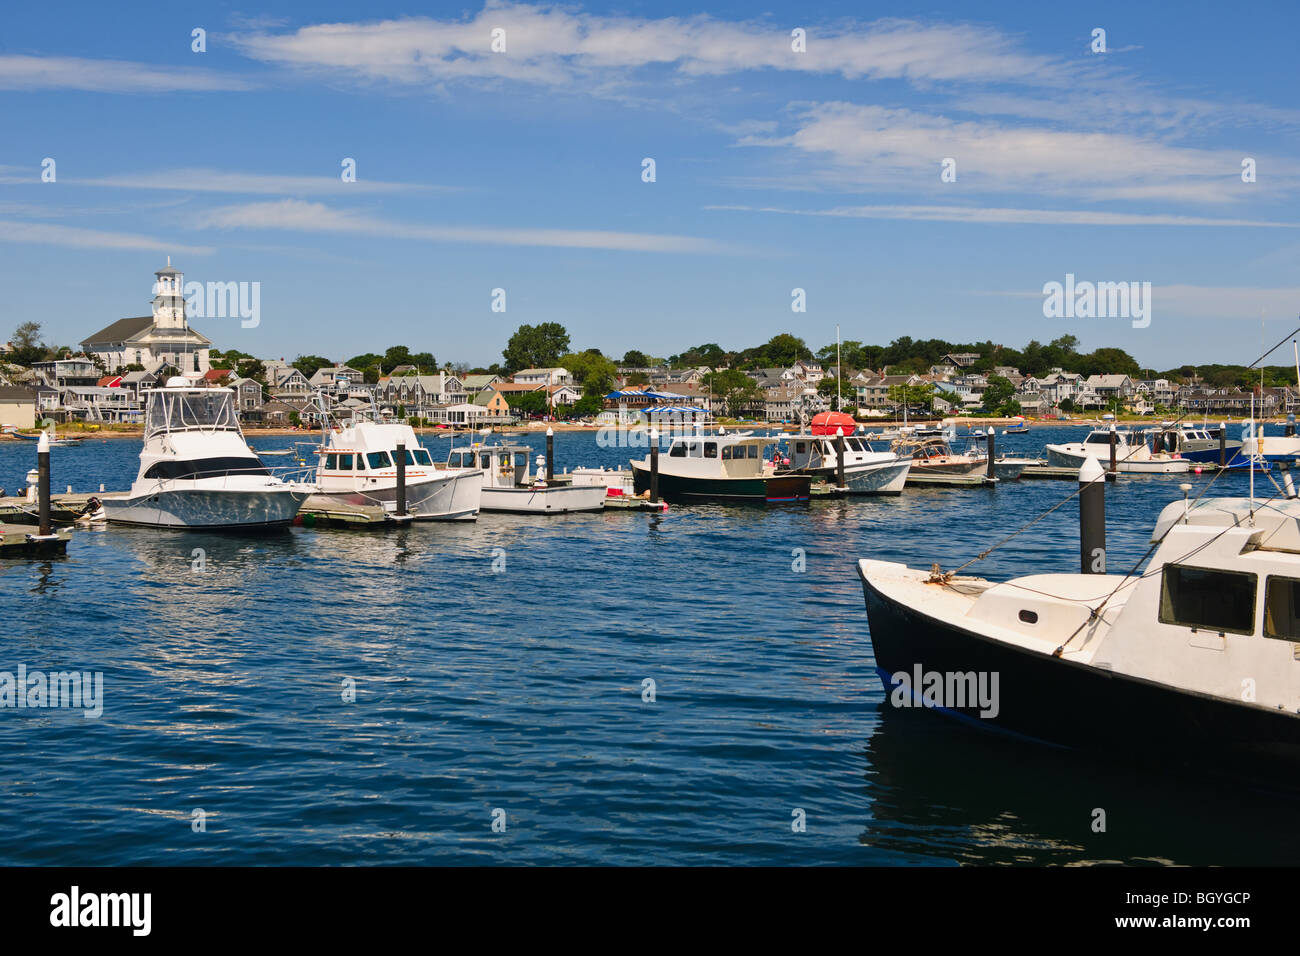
(27, 344)
(536, 346)
(998, 392)
(528, 403)
(309, 365)
(591, 370)
(733, 388)
(635, 359)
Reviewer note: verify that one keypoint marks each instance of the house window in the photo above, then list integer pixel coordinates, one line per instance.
(1208, 599)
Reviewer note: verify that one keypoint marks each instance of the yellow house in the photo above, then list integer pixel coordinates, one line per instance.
(495, 404)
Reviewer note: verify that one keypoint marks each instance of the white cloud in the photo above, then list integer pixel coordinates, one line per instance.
(878, 146)
(222, 181)
(24, 72)
(987, 215)
(298, 215)
(52, 234)
(554, 46)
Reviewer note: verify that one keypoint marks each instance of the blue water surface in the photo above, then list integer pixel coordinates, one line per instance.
(522, 692)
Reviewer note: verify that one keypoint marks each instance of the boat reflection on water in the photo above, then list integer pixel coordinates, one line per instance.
(944, 793)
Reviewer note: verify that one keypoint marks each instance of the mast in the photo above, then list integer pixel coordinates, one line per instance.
(839, 368)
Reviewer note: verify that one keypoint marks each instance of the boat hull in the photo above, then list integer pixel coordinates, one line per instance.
(553, 499)
(1058, 456)
(207, 509)
(888, 478)
(767, 489)
(442, 497)
(1068, 704)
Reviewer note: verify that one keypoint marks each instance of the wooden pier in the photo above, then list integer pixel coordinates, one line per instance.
(951, 481)
(24, 542)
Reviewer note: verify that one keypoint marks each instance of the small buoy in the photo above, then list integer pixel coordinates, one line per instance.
(1198, 469)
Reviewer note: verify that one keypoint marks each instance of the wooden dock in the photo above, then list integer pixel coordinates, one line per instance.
(951, 481)
(23, 542)
(1048, 472)
(321, 511)
(64, 509)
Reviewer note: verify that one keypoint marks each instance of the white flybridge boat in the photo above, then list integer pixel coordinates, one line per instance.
(505, 474)
(1132, 454)
(196, 472)
(1194, 661)
(358, 466)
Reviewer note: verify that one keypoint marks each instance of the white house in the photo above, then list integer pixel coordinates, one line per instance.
(163, 335)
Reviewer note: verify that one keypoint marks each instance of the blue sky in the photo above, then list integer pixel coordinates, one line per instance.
(522, 170)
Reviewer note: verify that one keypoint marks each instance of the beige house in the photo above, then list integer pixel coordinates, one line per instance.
(163, 335)
(17, 407)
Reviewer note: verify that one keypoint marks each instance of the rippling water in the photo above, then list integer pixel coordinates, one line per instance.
(523, 691)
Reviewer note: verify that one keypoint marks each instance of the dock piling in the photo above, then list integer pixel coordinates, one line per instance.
(1113, 439)
(654, 465)
(43, 483)
(1092, 517)
(550, 455)
(401, 478)
(990, 471)
(839, 458)
(1223, 444)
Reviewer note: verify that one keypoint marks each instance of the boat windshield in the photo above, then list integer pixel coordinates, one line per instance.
(186, 410)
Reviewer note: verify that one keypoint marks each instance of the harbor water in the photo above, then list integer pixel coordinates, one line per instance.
(617, 688)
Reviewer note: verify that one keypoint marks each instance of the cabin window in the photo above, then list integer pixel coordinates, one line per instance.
(1282, 608)
(1099, 438)
(331, 462)
(726, 452)
(753, 451)
(677, 451)
(361, 462)
(800, 448)
(1207, 599)
(345, 462)
(1029, 617)
(710, 449)
(378, 459)
(485, 462)
(422, 457)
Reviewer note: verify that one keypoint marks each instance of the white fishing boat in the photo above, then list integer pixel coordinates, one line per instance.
(1193, 660)
(196, 472)
(866, 471)
(358, 466)
(509, 484)
(1132, 454)
(720, 468)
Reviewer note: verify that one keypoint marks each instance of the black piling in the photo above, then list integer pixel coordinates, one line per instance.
(654, 466)
(990, 470)
(43, 484)
(1092, 518)
(839, 458)
(401, 478)
(550, 455)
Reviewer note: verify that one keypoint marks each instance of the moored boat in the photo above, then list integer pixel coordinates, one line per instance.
(508, 483)
(1192, 661)
(723, 467)
(197, 473)
(866, 471)
(359, 467)
(1132, 454)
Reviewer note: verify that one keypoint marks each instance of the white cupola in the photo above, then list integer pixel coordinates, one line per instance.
(169, 298)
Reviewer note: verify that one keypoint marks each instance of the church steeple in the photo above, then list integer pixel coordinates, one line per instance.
(169, 298)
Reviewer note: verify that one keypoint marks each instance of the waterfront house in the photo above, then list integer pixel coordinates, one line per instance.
(164, 334)
(17, 406)
(248, 399)
(70, 371)
(286, 383)
(541, 376)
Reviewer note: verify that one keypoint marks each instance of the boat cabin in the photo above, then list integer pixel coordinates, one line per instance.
(735, 456)
(503, 465)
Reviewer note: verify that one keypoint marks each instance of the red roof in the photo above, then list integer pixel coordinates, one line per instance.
(109, 381)
(217, 374)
